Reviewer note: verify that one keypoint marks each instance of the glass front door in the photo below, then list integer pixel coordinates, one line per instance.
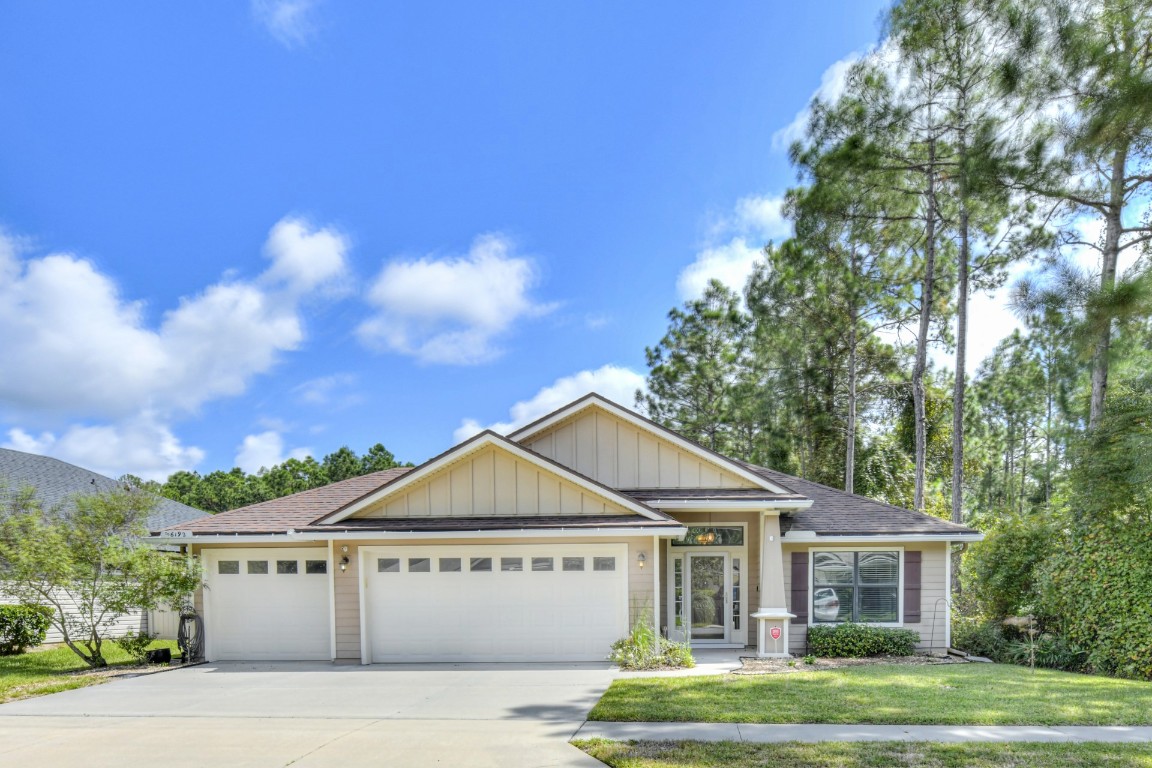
(708, 606)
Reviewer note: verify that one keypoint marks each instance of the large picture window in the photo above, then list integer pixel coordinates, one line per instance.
(855, 586)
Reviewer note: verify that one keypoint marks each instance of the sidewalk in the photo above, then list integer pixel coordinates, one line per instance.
(813, 733)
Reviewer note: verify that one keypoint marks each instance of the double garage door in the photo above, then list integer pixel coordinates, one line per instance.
(494, 603)
(441, 603)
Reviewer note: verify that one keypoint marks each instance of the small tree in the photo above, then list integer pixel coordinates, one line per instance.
(88, 564)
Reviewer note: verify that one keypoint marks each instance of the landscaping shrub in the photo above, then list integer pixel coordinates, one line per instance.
(1097, 589)
(979, 638)
(1002, 568)
(644, 649)
(856, 640)
(23, 627)
(1049, 651)
(135, 645)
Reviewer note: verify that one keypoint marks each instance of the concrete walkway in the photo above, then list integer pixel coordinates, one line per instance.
(815, 733)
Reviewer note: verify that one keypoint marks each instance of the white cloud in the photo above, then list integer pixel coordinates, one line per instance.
(291, 22)
(612, 381)
(264, 451)
(832, 85)
(452, 309)
(754, 221)
(327, 391)
(141, 446)
(75, 348)
(74, 345)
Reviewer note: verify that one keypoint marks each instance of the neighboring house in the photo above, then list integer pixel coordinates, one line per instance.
(547, 544)
(56, 483)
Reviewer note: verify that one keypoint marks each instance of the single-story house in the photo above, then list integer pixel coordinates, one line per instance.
(547, 544)
(55, 484)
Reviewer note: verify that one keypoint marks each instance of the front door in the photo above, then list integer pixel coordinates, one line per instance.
(709, 609)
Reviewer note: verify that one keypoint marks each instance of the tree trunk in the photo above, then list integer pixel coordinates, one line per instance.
(1109, 256)
(850, 448)
(961, 362)
(918, 392)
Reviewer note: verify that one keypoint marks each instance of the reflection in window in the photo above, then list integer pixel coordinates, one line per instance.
(855, 586)
(316, 567)
(449, 565)
(419, 565)
(511, 563)
(480, 564)
(388, 565)
(228, 567)
(573, 563)
(287, 566)
(258, 566)
(603, 563)
(541, 563)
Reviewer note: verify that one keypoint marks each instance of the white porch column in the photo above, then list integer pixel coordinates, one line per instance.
(772, 618)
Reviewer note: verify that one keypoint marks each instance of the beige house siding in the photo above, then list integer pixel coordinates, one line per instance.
(133, 621)
(347, 585)
(750, 568)
(933, 592)
(492, 482)
(611, 451)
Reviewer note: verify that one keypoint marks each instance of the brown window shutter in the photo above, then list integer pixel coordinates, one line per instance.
(912, 587)
(800, 587)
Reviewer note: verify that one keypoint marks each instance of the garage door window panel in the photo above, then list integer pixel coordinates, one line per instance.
(316, 567)
(388, 565)
(449, 565)
(258, 567)
(573, 563)
(419, 565)
(228, 567)
(480, 564)
(541, 563)
(287, 567)
(511, 563)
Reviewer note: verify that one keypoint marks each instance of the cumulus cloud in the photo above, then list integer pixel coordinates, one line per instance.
(75, 348)
(734, 245)
(141, 445)
(452, 309)
(832, 85)
(330, 391)
(292, 23)
(612, 381)
(266, 450)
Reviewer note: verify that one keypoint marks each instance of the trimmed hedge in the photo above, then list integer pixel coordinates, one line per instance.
(857, 640)
(22, 627)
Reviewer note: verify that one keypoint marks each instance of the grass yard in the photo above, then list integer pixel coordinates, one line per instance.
(946, 694)
(879, 754)
(58, 669)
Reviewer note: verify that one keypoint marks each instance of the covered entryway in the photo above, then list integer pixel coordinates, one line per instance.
(268, 604)
(500, 602)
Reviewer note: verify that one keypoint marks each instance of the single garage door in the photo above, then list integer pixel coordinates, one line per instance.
(267, 604)
(495, 603)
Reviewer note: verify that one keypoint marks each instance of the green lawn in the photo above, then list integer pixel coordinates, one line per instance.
(56, 669)
(880, 754)
(947, 694)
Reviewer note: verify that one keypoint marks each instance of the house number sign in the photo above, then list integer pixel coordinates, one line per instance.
(775, 632)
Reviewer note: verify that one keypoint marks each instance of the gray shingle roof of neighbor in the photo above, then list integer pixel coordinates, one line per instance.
(56, 482)
(838, 513)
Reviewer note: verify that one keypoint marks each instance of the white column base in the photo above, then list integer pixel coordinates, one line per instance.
(768, 647)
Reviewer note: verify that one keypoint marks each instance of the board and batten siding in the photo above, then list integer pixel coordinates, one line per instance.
(611, 451)
(933, 593)
(347, 584)
(492, 482)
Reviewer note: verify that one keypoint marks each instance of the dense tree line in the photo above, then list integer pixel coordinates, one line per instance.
(979, 139)
(223, 490)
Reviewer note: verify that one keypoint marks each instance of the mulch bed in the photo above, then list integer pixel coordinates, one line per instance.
(756, 666)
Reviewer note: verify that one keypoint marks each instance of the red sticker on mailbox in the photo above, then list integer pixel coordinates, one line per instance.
(775, 633)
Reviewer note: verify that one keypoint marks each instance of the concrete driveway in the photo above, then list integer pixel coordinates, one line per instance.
(312, 714)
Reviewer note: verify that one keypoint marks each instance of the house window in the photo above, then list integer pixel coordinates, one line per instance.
(856, 586)
(712, 536)
(287, 566)
(678, 587)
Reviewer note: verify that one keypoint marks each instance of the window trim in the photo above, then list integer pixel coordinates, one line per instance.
(899, 550)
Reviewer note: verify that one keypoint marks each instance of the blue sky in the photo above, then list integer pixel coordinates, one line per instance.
(238, 232)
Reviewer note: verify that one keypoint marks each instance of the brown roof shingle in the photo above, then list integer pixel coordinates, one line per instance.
(838, 513)
(295, 511)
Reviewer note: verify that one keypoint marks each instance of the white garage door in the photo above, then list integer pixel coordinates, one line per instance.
(495, 603)
(267, 604)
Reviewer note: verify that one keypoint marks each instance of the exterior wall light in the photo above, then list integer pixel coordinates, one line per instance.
(344, 559)
(641, 559)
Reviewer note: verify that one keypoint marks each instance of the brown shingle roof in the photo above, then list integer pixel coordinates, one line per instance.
(295, 511)
(835, 512)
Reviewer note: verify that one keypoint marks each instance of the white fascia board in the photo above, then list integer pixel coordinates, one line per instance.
(484, 440)
(730, 506)
(807, 537)
(653, 429)
(204, 539)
